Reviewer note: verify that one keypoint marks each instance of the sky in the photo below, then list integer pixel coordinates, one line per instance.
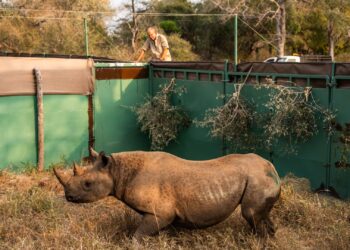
(117, 3)
(121, 13)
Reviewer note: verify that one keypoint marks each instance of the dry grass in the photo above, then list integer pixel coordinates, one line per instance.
(35, 215)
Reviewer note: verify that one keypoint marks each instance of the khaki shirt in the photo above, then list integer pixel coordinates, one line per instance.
(157, 46)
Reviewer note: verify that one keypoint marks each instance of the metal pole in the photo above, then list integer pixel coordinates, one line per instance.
(327, 188)
(235, 42)
(225, 81)
(330, 137)
(150, 79)
(86, 37)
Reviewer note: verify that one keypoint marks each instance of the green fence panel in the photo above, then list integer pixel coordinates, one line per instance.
(17, 132)
(254, 97)
(312, 157)
(115, 126)
(340, 178)
(195, 143)
(66, 128)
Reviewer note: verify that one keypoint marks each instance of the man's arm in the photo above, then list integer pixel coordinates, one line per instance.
(141, 56)
(164, 53)
(144, 48)
(165, 46)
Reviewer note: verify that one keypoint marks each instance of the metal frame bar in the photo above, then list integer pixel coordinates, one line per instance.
(274, 76)
(187, 72)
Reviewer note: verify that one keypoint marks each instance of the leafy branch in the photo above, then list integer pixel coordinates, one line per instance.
(232, 121)
(344, 140)
(294, 116)
(160, 119)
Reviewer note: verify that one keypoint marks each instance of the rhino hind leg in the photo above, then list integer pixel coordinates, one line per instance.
(269, 226)
(257, 215)
(151, 225)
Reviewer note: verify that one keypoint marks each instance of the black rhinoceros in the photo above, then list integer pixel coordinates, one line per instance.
(166, 189)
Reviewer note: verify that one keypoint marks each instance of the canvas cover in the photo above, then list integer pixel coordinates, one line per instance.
(59, 75)
(296, 73)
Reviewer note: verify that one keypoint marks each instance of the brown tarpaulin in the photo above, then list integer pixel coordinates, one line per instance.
(342, 69)
(59, 75)
(323, 69)
(287, 68)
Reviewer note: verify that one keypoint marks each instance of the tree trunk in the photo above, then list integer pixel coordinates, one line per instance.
(331, 42)
(281, 27)
(134, 29)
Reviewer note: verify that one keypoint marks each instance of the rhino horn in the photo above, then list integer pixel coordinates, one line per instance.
(77, 170)
(61, 176)
(93, 153)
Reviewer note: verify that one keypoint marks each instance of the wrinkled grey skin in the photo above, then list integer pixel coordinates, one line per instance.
(168, 190)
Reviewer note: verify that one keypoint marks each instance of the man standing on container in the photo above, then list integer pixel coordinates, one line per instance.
(158, 44)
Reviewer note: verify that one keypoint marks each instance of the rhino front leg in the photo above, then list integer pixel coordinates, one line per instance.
(151, 225)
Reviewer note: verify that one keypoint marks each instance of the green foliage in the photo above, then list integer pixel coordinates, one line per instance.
(344, 139)
(180, 49)
(161, 120)
(169, 26)
(232, 121)
(293, 117)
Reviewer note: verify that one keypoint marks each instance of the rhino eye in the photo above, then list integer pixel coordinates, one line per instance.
(87, 184)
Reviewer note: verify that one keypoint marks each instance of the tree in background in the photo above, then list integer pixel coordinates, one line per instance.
(173, 27)
(181, 50)
(336, 13)
(281, 32)
(129, 28)
(288, 26)
(261, 12)
(55, 26)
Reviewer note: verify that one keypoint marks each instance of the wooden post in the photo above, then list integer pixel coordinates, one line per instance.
(40, 108)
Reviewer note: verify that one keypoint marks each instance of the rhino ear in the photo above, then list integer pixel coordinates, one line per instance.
(77, 170)
(93, 153)
(104, 159)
